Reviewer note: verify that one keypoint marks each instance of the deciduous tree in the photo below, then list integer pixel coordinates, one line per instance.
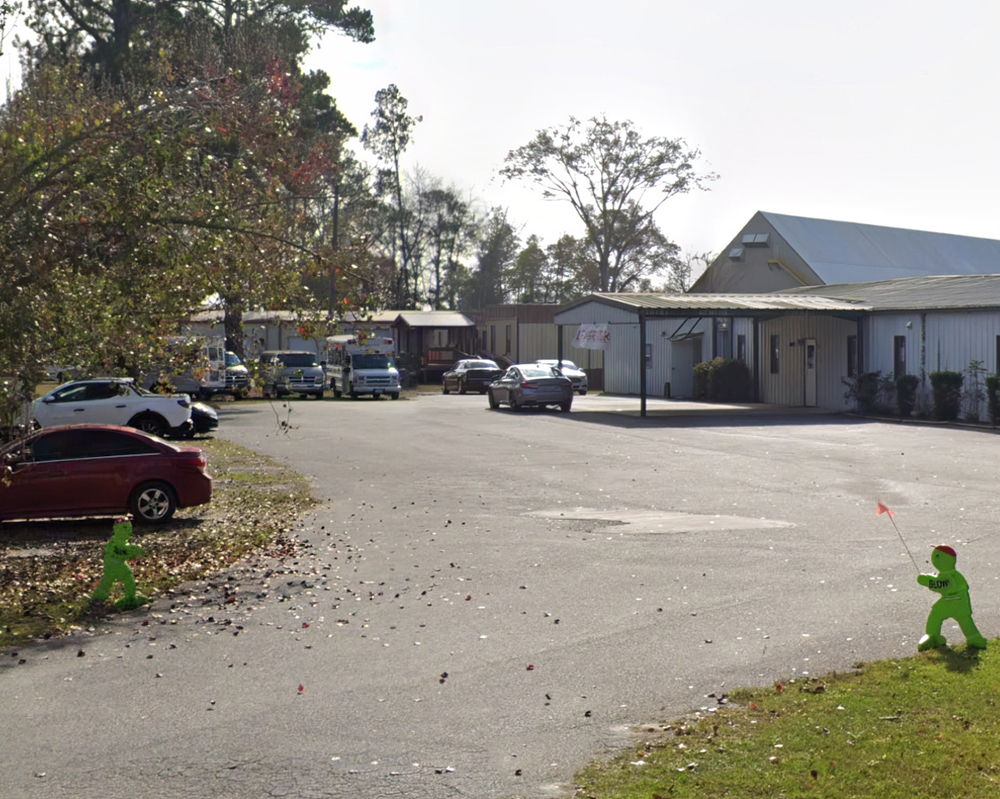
(614, 179)
(498, 247)
(387, 137)
(122, 39)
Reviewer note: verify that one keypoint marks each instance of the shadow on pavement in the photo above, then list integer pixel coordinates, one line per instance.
(717, 418)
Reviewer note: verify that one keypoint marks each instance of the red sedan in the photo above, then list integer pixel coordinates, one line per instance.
(99, 470)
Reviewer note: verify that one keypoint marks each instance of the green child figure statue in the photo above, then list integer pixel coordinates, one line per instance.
(953, 604)
(116, 555)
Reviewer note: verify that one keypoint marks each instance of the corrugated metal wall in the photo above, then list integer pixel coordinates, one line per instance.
(536, 341)
(787, 387)
(621, 364)
(621, 370)
(935, 342)
(954, 339)
(596, 313)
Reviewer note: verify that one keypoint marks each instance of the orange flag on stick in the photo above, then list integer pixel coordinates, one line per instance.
(879, 510)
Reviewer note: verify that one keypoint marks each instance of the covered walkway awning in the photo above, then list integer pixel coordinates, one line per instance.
(588, 311)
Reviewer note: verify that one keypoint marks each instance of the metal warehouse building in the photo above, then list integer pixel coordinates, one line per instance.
(770, 301)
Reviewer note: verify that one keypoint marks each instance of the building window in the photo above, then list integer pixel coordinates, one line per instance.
(755, 239)
(723, 338)
(852, 356)
(998, 355)
(508, 350)
(493, 339)
(741, 347)
(898, 356)
(774, 354)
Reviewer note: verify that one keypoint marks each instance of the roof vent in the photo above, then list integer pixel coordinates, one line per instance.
(736, 254)
(756, 239)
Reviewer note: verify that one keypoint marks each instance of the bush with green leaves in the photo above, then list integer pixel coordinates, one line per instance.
(723, 380)
(946, 388)
(993, 398)
(870, 392)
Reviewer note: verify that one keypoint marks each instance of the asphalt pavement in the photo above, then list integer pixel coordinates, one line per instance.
(487, 600)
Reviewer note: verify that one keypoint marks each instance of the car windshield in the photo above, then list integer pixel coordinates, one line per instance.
(298, 359)
(232, 359)
(373, 362)
(481, 365)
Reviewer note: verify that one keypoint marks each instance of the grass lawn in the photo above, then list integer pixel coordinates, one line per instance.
(926, 726)
(51, 568)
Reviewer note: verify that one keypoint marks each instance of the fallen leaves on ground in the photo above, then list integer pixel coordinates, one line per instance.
(51, 568)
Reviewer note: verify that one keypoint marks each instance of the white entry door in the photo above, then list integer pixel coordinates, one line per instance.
(684, 355)
(810, 373)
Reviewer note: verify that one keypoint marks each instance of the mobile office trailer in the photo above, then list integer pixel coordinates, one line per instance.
(357, 365)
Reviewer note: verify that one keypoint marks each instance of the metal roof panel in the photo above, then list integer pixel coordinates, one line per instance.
(844, 252)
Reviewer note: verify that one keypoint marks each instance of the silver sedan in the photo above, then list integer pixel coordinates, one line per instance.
(531, 385)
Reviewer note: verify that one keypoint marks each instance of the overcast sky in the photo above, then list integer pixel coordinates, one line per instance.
(872, 111)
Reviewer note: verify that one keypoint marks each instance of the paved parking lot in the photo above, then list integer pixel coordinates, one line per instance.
(493, 598)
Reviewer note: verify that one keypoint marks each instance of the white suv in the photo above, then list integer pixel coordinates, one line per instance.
(114, 400)
(570, 370)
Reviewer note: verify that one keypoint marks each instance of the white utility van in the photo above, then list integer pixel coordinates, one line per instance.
(201, 367)
(357, 365)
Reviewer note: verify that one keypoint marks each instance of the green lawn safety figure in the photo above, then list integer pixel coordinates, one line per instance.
(953, 604)
(116, 554)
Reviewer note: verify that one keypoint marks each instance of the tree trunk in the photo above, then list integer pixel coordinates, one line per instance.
(234, 328)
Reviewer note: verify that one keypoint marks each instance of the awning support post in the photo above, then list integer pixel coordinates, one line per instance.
(642, 362)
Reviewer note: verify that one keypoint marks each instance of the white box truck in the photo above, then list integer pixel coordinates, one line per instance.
(358, 365)
(201, 367)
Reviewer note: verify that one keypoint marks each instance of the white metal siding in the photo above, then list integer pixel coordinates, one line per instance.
(595, 313)
(788, 386)
(956, 338)
(621, 364)
(537, 341)
(936, 341)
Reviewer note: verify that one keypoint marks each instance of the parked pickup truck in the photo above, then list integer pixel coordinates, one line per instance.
(114, 400)
(291, 372)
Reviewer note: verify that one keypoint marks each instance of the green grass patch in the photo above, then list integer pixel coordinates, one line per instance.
(51, 568)
(925, 726)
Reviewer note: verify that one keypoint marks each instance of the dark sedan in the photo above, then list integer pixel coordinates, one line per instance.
(531, 385)
(204, 419)
(99, 470)
(470, 375)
